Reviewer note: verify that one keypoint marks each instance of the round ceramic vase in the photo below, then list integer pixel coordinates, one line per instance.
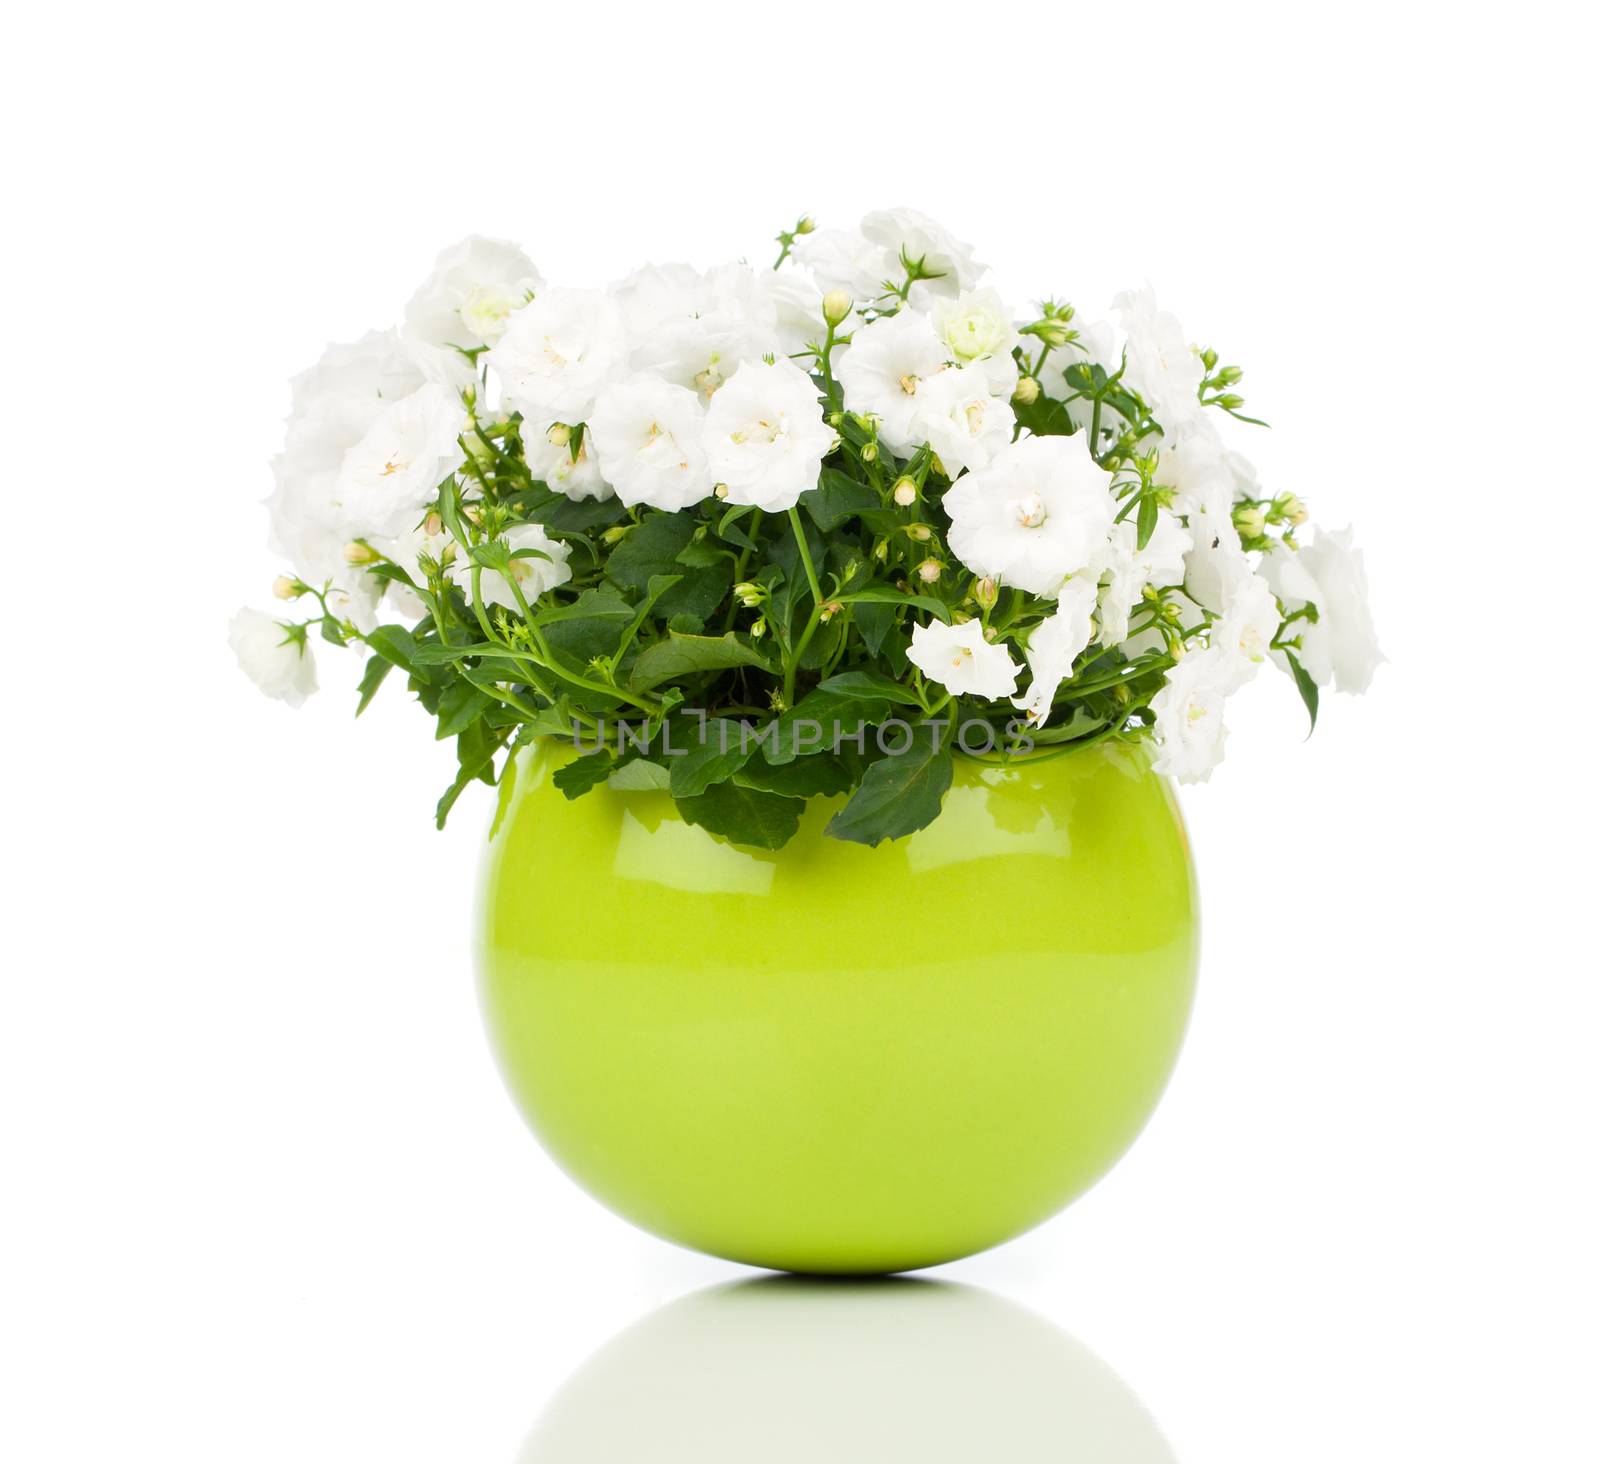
(832, 1058)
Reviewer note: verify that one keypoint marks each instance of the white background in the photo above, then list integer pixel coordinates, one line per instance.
(261, 1196)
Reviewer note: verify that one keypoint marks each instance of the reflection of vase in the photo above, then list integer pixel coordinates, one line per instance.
(782, 1371)
(835, 1058)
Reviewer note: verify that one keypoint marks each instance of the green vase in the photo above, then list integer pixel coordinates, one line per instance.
(832, 1058)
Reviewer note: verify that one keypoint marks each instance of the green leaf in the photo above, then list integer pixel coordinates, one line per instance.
(821, 775)
(900, 793)
(888, 595)
(397, 645)
(821, 720)
(744, 815)
(639, 776)
(584, 773)
(1147, 519)
(1045, 417)
(1308, 688)
(475, 754)
(838, 497)
(684, 655)
(711, 757)
(371, 679)
(601, 603)
(652, 548)
(460, 705)
(870, 686)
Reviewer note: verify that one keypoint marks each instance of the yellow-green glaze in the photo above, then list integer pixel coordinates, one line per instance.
(835, 1058)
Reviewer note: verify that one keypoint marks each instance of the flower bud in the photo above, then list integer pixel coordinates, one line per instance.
(749, 594)
(880, 550)
(929, 571)
(720, 491)
(920, 532)
(836, 420)
(1053, 332)
(614, 535)
(285, 588)
(836, 307)
(759, 629)
(806, 225)
(869, 452)
(905, 492)
(559, 435)
(1293, 509)
(829, 610)
(433, 525)
(1027, 392)
(1250, 521)
(986, 592)
(359, 552)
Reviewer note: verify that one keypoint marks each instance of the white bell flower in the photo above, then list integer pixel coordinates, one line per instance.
(958, 417)
(1342, 647)
(557, 352)
(466, 302)
(1039, 512)
(1054, 644)
(399, 463)
(533, 574)
(765, 435)
(962, 661)
(905, 231)
(1131, 569)
(1248, 625)
(547, 449)
(845, 259)
(281, 667)
(649, 437)
(332, 406)
(1189, 729)
(1162, 365)
(977, 330)
(1216, 566)
(884, 369)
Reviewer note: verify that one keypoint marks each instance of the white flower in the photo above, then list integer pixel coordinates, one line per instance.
(977, 330)
(959, 419)
(558, 351)
(845, 259)
(552, 462)
(466, 302)
(1162, 366)
(281, 667)
(534, 573)
(904, 231)
(1056, 643)
(765, 435)
(654, 294)
(884, 369)
(1342, 647)
(1160, 563)
(1248, 625)
(649, 436)
(399, 463)
(962, 661)
(1038, 513)
(427, 536)
(728, 317)
(1217, 566)
(1204, 474)
(332, 406)
(1189, 729)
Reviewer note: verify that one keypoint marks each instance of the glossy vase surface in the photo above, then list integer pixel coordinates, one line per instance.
(833, 1058)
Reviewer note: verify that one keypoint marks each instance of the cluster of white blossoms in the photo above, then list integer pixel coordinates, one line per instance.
(1073, 470)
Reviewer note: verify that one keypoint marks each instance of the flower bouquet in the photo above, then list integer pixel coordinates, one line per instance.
(793, 559)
